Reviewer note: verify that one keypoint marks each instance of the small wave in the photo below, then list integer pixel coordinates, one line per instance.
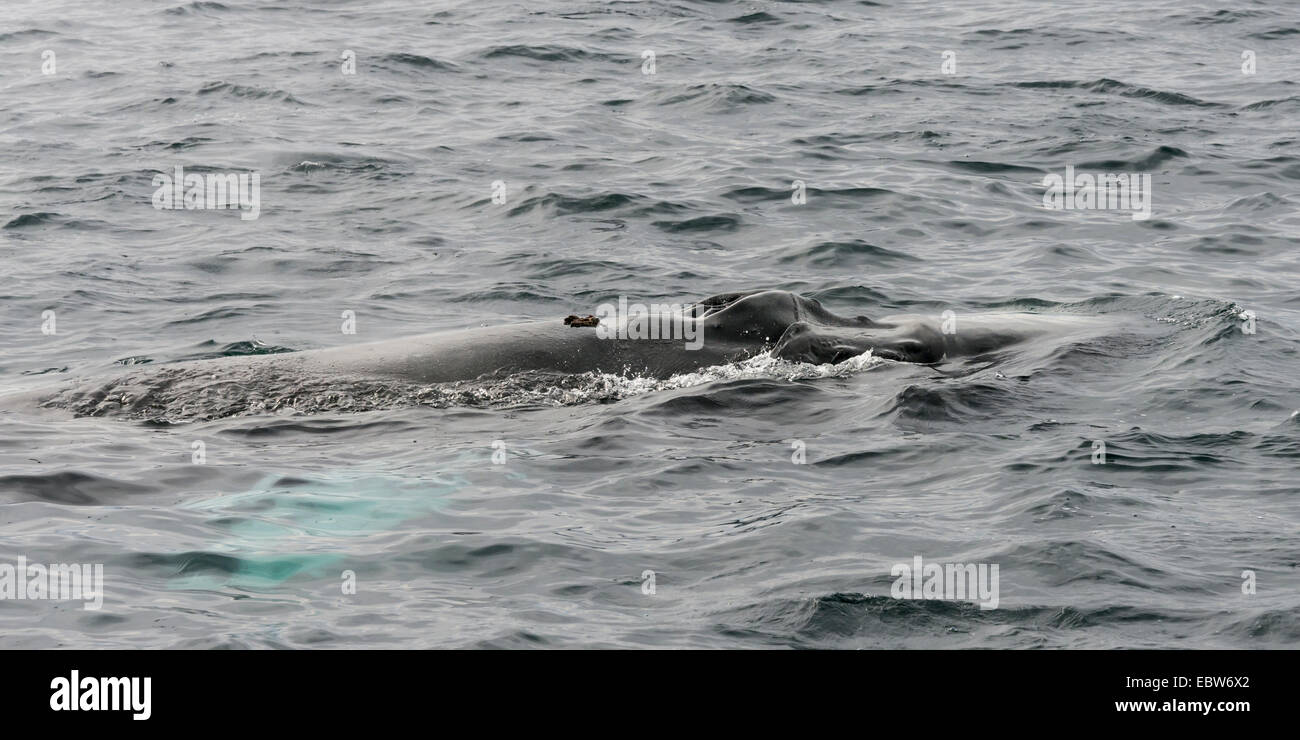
(45, 371)
(719, 222)
(1224, 16)
(953, 403)
(1274, 34)
(754, 18)
(248, 92)
(552, 269)
(988, 168)
(830, 619)
(543, 53)
(223, 312)
(32, 219)
(189, 142)
(70, 487)
(1266, 104)
(998, 33)
(1155, 159)
(201, 6)
(719, 96)
(561, 205)
(1278, 628)
(1258, 202)
(853, 252)
(1115, 87)
(37, 32)
(218, 571)
(891, 88)
(418, 61)
(238, 349)
(761, 194)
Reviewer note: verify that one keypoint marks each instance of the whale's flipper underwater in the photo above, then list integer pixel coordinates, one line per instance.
(718, 330)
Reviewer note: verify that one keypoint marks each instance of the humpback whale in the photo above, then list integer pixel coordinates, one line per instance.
(724, 328)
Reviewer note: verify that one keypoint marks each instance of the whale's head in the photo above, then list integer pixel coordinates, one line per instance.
(820, 344)
(765, 315)
(804, 342)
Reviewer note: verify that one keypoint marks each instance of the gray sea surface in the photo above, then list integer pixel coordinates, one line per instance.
(1137, 489)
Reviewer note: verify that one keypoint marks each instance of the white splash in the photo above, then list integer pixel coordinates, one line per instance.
(764, 366)
(182, 395)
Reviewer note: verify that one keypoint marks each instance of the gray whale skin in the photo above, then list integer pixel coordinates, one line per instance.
(733, 326)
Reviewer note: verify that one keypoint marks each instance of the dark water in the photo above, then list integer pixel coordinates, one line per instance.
(924, 194)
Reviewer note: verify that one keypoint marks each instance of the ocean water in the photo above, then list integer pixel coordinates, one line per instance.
(1137, 489)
